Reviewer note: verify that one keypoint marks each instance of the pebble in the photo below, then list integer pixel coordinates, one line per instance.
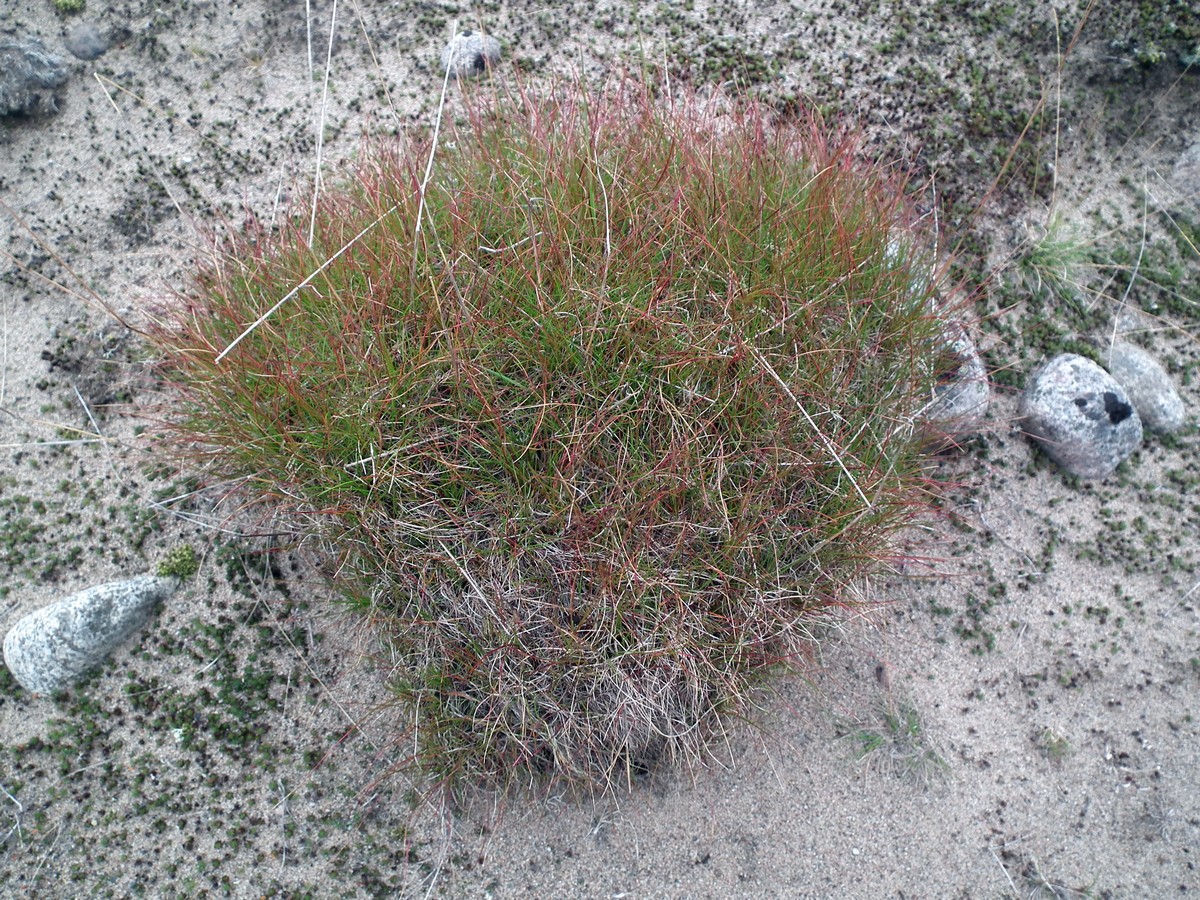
(1149, 386)
(470, 54)
(1082, 417)
(28, 75)
(961, 398)
(86, 41)
(51, 648)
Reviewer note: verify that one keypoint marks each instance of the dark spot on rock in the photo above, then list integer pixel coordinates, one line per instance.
(1081, 402)
(480, 63)
(1118, 411)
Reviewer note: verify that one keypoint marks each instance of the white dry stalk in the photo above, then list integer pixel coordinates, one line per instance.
(512, 246)
(95, 765)
(832, 450)
(46, 856)
(1136, 268)
(285, 811)
(141, 151)
(308, 33)
(377, 67)
(96, 428)
(4, 358)
(16, 817)
(312, 222)
(88, 296)
(355, 724)
(437, 129)
(1058, 78)
(278, 197)
(1004, 869)
(212, 523)
(354, 240)
(303, 284)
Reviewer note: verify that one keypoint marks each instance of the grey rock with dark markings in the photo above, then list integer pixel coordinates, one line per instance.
(1081, 416)
(470, 54)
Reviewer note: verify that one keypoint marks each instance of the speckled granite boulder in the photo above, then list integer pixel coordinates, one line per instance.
(28, 76)
(1081, 416)
(52, 647)
(1149, 386)
(470, 54)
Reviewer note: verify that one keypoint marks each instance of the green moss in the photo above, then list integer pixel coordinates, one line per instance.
(70, 7)
(181, 562)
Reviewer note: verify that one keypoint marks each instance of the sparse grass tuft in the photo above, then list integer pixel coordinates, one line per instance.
(1056, 263)
(1053, 745)
(600, 440)
(896, 745)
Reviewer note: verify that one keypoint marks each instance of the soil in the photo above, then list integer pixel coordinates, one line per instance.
(1013, 715)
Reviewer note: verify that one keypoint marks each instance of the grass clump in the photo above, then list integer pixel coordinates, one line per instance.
(601, 438)
(1056, 263)
(897, 746)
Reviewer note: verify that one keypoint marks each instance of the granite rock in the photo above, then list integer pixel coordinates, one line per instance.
(53, 647)
(1149, 386)
(1082, 417)
(28, 76)
(470, 54)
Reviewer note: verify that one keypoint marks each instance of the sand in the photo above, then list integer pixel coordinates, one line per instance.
(1014, 716)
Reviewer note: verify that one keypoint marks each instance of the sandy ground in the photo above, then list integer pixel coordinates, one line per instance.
(1017, 719)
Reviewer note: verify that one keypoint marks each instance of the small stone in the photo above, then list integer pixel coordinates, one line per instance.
(53, 647)
(28, 75)
(1149, 386)
(961, 397)
(470, 54)
(86, 41)
(1082, 417)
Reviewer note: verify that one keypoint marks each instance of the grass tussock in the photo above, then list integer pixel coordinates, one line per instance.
(599, 441)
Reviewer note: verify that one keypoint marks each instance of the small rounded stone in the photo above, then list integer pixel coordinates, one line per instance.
(470, 54)
(1149, 387)
(1081, 416)
(86, 41)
